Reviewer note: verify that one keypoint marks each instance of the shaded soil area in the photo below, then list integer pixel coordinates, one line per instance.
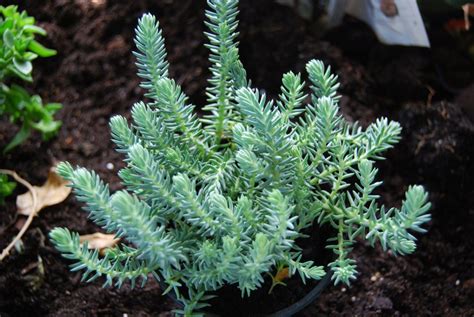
(93, 76)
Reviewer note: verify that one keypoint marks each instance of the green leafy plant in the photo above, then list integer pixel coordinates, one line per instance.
(18, 48)
(221, 199)
(6, 187)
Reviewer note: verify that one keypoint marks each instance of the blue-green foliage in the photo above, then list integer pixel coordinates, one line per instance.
(222, 199)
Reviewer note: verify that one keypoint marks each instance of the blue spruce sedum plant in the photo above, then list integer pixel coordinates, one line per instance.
(220, 199)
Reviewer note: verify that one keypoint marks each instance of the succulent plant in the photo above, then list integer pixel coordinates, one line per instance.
(220, 199)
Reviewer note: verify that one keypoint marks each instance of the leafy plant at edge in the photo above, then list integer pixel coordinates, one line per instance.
(18, 48)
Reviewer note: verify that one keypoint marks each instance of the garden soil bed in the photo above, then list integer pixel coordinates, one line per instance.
(93, 76)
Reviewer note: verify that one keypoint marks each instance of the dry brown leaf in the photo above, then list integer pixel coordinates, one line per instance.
(99, 240)
(469, 7)
(282, 274)
(53, 191)
(468, 10)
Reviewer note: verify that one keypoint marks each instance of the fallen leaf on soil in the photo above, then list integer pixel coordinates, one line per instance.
(99, 240)
(468, 10)
(52, 192)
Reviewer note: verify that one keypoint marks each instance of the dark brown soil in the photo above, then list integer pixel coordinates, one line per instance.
(93, 76)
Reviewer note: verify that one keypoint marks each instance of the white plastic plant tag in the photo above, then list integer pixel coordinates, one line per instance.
(335, 11)
(396, 22)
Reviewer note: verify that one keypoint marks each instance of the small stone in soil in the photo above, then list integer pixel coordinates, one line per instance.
(109, 166)
(376, 277)
(383, 303)
(87, 148)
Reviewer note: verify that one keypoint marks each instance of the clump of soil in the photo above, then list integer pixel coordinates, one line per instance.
(93, 76)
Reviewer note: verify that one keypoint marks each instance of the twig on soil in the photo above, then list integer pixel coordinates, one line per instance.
(29, 220)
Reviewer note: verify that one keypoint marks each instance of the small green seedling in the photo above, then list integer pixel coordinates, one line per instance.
(6, 188)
